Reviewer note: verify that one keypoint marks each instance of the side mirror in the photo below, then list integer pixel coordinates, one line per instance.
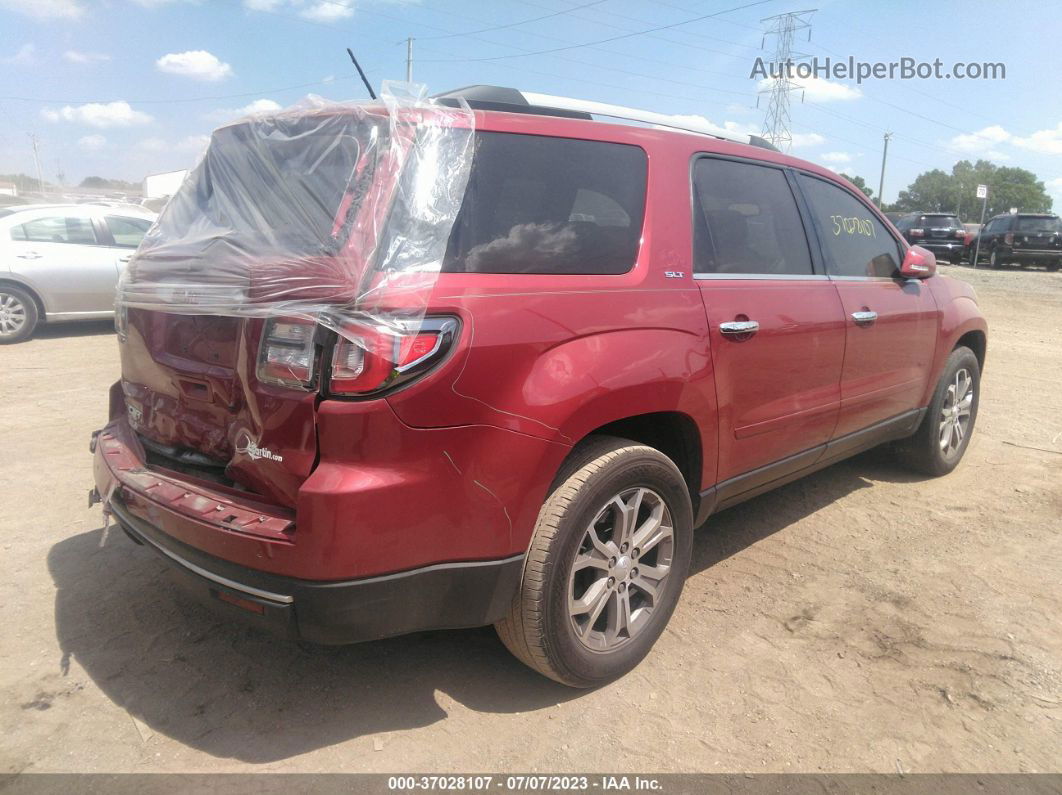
(918, 263)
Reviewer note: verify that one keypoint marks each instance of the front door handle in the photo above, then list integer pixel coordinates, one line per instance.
(29, 255)
(865, 318)
(738, 328)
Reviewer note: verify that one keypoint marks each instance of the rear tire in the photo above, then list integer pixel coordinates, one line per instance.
(1054, 266)
(18, 314)
(940, 442)
(597, 590)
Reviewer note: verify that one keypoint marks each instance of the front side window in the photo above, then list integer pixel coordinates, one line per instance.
(745, 221)
(127, 232)
(855, 242)
(56, 229)
(538, 204)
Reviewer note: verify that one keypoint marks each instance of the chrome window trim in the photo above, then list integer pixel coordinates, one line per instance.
(800, 277)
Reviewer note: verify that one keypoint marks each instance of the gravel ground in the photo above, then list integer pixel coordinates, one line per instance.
(859, 620)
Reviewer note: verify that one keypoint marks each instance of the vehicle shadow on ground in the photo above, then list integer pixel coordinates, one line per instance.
(82, 328)
(232, 692)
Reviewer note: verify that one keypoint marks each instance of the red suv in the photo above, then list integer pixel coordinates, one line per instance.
(631, 328)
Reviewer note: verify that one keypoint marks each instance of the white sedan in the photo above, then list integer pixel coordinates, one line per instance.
(61, 262)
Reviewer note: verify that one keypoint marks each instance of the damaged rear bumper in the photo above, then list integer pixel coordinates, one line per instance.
(444, 596)
(191, 525)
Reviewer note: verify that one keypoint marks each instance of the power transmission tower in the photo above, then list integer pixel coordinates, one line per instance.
(37, 160)
(783, 27)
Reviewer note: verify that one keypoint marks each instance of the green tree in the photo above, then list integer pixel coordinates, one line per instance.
(937, 191)
(860, 183)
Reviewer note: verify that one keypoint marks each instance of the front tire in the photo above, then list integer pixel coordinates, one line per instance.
(941, 440)
(994, 260)
(606, 564)
(18, 314)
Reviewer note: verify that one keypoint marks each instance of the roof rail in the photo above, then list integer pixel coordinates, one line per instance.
(512, 100)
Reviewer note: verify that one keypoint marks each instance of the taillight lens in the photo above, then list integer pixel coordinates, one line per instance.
(368, 359)
(961, 234)
(918, 233)
(287, 353)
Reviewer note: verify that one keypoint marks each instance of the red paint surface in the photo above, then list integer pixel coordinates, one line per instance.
(455, 466)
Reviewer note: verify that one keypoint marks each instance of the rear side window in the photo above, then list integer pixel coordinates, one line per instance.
(855, 242)
(537, 204)
(127, 232)
(745, 221)
(56, 229)
(1041, 224)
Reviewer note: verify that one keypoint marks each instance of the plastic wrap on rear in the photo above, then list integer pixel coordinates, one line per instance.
(332, 213)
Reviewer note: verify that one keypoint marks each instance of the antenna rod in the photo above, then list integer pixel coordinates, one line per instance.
(368, 86)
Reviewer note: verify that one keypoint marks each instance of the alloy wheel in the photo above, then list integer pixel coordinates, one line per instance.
(621, 569)
(955, 413)
(12, 315)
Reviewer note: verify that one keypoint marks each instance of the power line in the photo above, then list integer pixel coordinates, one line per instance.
(516, 24)
(616, 38)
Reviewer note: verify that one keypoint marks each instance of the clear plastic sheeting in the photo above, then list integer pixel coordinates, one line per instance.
(335, 213)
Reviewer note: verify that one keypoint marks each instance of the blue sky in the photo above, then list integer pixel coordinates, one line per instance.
(123, 88)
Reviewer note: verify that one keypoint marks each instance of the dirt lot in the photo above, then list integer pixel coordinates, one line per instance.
(859, 620)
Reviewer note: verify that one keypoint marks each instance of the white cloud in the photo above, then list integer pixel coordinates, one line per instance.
(836, 157)
(980, 141)
(1048, 142)
(25, 55)
(98, 114)
(807, 139)
(197, 64)
(817, 89)
(317, 10)
(193, 143)
(45, 9)
(92, 143)
(258, 106)
(328, 11)
(76, 56)
(153, 145)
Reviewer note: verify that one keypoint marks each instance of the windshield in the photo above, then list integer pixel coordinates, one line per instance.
(1043, 223)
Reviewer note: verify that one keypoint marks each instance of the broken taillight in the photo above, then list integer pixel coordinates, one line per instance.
(287, 353)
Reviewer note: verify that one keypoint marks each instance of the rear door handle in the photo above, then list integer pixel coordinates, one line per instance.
(735, 328)
(865, 318)
(29, 255)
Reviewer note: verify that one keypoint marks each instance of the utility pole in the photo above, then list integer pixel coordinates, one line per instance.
(881, 182)
(783, 27)
(37, 161)
(409, 59)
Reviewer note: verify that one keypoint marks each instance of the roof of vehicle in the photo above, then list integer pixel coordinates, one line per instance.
(1023, 215)
(12, 213)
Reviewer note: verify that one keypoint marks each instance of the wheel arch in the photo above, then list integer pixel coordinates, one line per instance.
(42, 312)
(673, 433)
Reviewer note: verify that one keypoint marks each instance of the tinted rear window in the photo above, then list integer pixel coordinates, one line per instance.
(537, 204)
(940, 220)
(1039, 224)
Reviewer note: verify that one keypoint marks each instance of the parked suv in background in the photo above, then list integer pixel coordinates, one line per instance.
(633, 329)
(941, 233)
(1022, 239)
